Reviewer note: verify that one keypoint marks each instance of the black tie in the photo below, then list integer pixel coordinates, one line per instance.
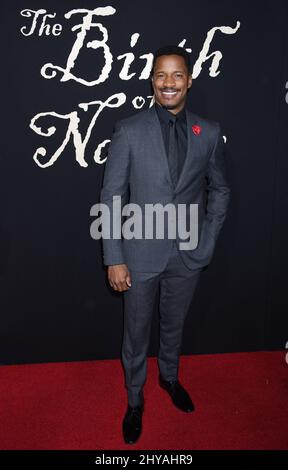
(173, 151)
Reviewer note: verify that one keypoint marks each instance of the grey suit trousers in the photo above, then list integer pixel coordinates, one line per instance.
(177, 284)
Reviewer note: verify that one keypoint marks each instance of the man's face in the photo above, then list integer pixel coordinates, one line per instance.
(170, 82)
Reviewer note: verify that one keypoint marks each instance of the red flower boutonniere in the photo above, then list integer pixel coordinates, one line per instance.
(196, 129)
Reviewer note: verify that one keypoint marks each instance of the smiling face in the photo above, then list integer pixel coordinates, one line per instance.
(171, 81)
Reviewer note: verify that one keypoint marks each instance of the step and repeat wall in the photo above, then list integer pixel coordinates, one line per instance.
(69, 71)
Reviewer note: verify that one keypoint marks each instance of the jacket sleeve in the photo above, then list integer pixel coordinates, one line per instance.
(115, 184)
(217, 187)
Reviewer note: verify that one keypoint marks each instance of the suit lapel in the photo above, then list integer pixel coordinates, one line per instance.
(194, 149)
(156, 139)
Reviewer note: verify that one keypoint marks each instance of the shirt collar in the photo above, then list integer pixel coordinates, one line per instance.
(164, 115)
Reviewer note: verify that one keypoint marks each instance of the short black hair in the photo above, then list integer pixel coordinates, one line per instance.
(169, 50)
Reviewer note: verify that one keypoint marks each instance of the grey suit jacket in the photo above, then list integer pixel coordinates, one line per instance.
(137, 171)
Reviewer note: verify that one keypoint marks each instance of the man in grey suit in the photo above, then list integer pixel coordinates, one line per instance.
(164, 155)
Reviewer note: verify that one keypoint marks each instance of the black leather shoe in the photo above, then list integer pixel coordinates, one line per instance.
(179, 396)
(132, 423)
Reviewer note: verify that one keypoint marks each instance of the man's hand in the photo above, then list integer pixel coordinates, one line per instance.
(119, 277)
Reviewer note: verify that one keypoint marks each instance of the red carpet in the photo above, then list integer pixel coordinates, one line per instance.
(241, 403)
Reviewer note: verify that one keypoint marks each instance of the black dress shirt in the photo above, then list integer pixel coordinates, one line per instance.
(181, 126)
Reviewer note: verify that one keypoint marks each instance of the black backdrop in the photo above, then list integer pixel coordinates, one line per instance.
(55, 302)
